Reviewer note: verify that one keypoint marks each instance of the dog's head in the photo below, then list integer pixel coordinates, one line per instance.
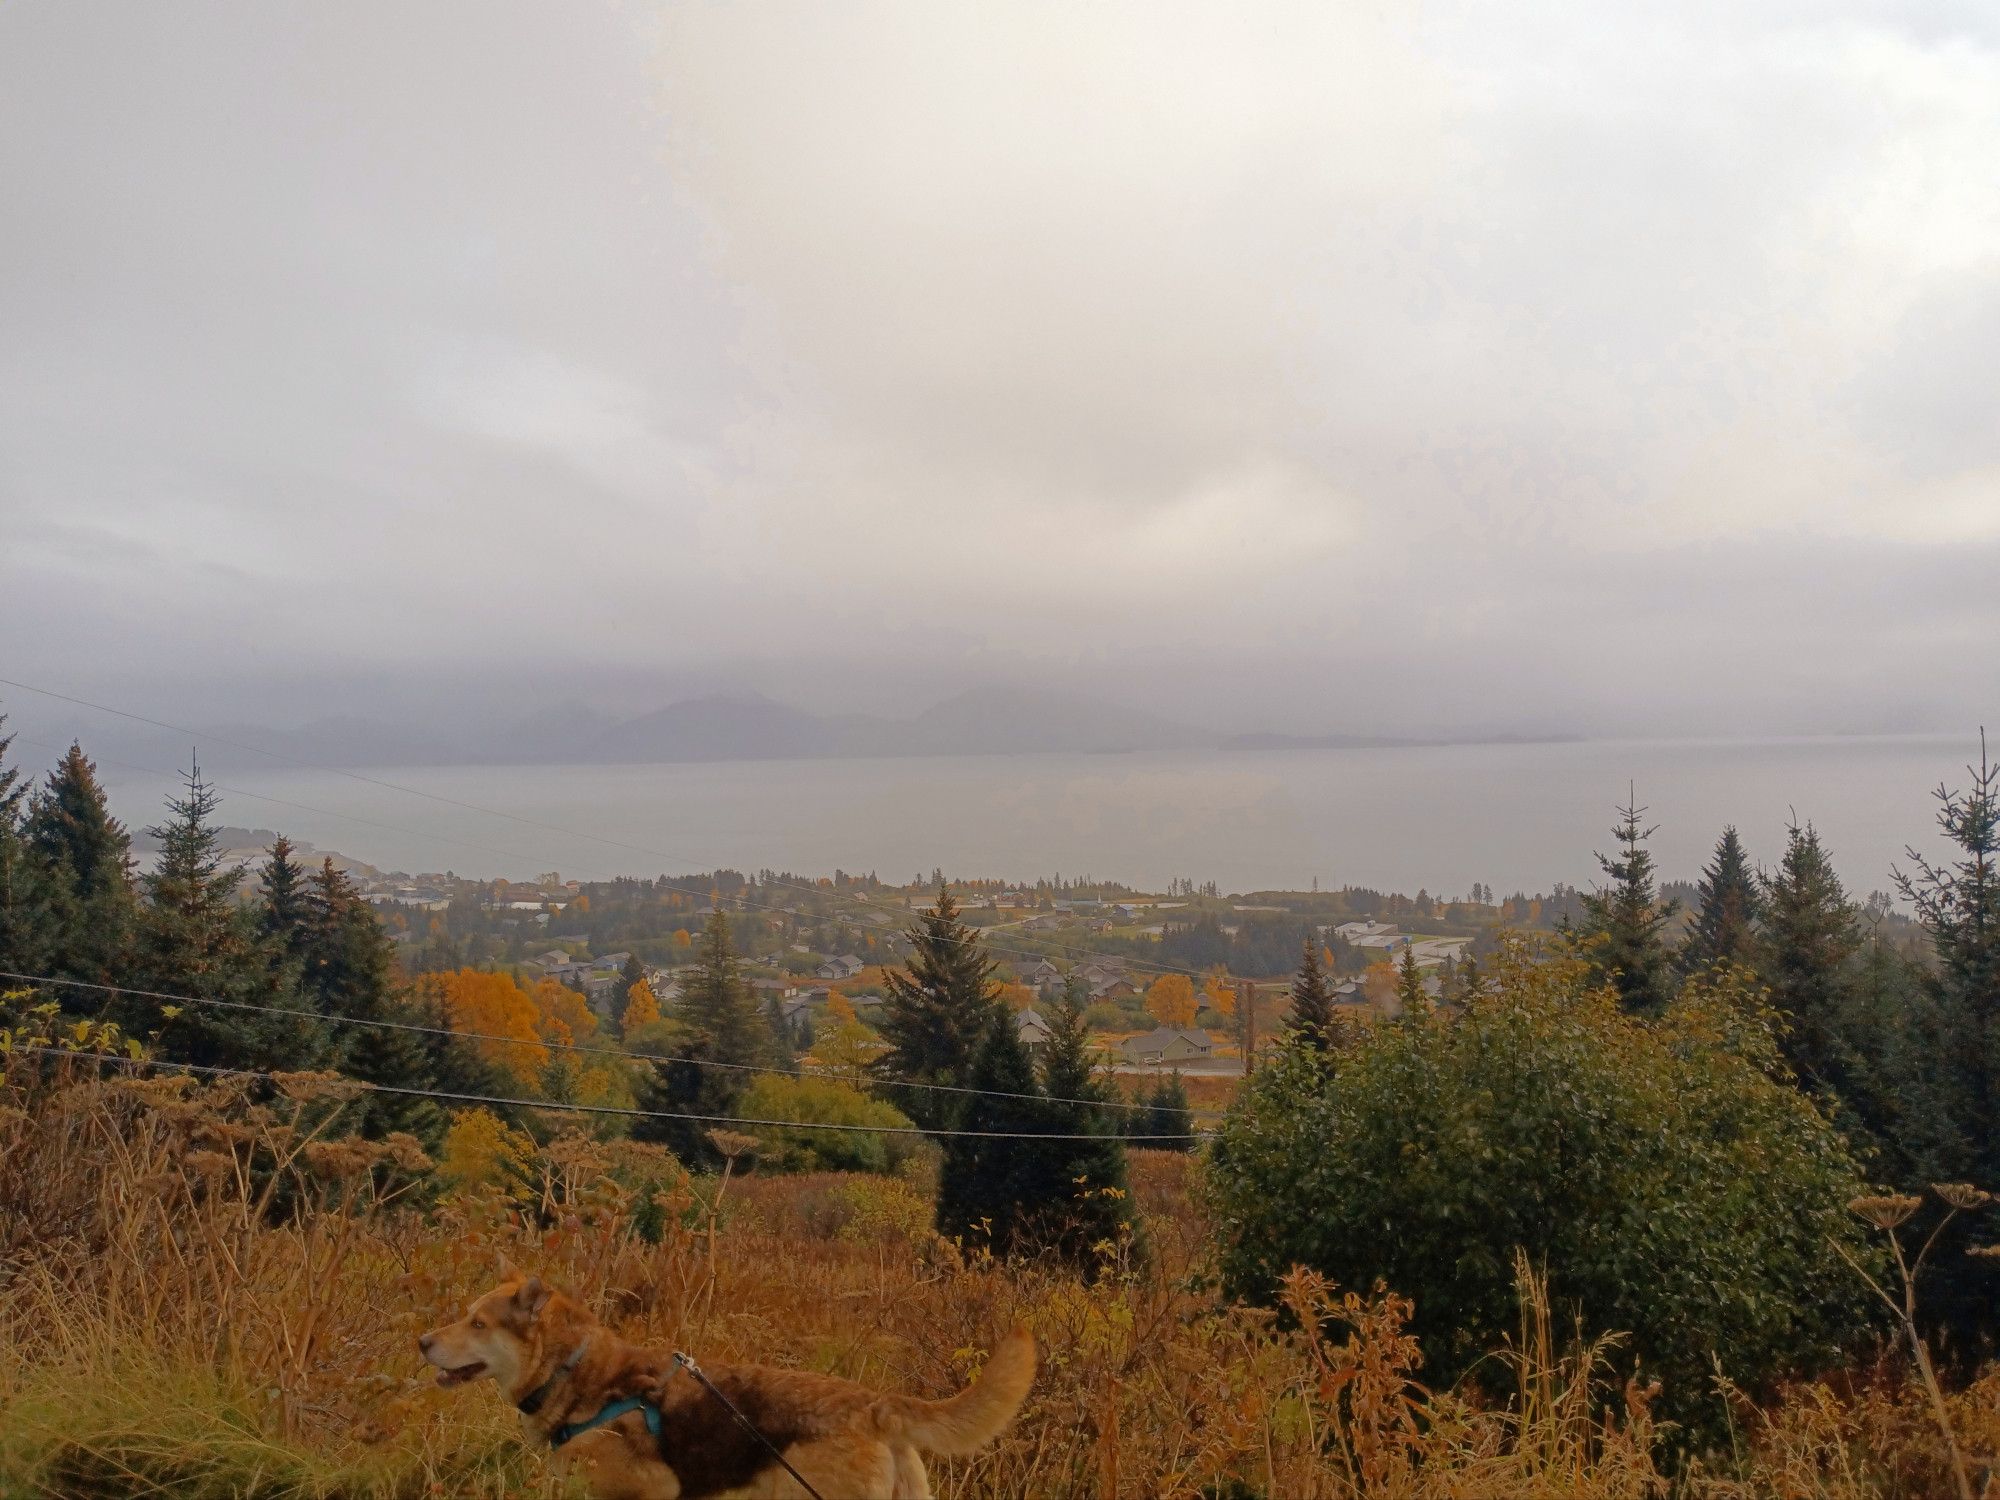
(497, 1335)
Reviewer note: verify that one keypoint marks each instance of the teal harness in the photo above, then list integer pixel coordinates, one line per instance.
(611, 1413)
(570, 1431)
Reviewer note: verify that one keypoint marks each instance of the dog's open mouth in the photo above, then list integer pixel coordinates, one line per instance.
(450, 1378)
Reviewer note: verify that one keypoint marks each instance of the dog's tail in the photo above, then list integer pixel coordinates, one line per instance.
(966, 1422)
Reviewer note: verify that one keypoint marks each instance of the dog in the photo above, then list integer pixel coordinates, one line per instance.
(638, 1426)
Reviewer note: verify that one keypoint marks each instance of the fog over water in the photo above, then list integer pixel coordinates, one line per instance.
(1510, 816)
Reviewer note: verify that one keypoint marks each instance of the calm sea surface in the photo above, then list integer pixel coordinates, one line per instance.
(1511, 816)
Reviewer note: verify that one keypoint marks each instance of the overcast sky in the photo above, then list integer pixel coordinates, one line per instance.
(1620, 368)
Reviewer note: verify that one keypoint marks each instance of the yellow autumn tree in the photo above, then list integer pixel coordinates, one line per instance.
(839, 1009)
(683, 939)
(1170, 1001)
(503, 1016)
(642, 1008)
(483, 1150)
(1017, 996)
(847, 1047)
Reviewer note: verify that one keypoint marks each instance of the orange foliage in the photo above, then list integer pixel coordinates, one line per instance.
(642, 1007)
(839, 1009)
(1017, 996)
(1218, 991)
(494, 1006)
(1171, 1000)
(563, 1018)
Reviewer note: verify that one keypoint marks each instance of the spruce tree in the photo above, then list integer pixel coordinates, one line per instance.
(1410, 992)
(1092, 1201)
(1958, 904)
(995, 1192)
(633, 973)
(27, 935)
(940, 1011)
(1167, 1122)
(715, 1021)
(1807, 959)
(1311, 1023)
(349, 971)
(192, 938)
(1724, 929)
(86, 860)
(1623, 924)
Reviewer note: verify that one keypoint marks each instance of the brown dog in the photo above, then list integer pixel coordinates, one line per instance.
(674, 1440)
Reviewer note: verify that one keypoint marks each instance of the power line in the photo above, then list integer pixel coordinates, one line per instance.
(579, 1048)
(589, 1109)
(557, 828)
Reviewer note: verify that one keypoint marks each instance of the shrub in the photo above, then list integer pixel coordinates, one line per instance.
(825, 1101)
(1663, 1177)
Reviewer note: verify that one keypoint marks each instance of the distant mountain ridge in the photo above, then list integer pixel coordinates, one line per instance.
(747, 726)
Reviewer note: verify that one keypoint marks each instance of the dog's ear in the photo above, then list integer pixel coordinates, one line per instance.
(531, 1297)
(505, 1267)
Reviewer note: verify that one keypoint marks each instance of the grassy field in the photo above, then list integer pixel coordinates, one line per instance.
(203, 1295)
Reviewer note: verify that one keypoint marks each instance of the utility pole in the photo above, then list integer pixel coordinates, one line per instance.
(1246, 1005)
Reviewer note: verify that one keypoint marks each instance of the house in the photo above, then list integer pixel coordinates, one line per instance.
(1042, 976)
(1167, 1045)
(1117, 987)
(774, 989)
(844, 966)
(1033, 1031)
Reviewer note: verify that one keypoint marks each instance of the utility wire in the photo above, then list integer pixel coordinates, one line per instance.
(376, 781)
(580, 1048)
(588, 1109)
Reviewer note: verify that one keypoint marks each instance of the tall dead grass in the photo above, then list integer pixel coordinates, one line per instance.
(208, 1294)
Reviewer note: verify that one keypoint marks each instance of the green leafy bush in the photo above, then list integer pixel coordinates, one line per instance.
(826, 1101)
(1664, 1175)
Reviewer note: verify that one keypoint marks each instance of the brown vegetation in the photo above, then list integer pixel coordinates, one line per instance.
(206, 1294)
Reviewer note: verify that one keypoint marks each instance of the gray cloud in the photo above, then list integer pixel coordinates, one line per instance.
(1554, 365)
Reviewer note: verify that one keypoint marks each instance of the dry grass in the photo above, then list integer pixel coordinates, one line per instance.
(202, 1295)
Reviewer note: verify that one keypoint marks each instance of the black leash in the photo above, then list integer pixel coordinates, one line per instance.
(748, 1426)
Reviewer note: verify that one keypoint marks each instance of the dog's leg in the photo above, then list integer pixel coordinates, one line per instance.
(912, 1482)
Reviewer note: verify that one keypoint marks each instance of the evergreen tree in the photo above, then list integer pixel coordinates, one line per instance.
(1167, 1122)
(86, 862)
(633, 973)
(27, 936)
(1807, 959)
(192, 938)
(939, 1014)
(995, 1192)
(284, 910)
(1410, 992)
(1623, 924)
(1093, 1204)
(1958, 904)
(716, 1020)
(348, 971)
(1724, 929)
(781, 1035)
(1311, 1023)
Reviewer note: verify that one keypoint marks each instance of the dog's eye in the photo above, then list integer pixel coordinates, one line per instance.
(478, 1322)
